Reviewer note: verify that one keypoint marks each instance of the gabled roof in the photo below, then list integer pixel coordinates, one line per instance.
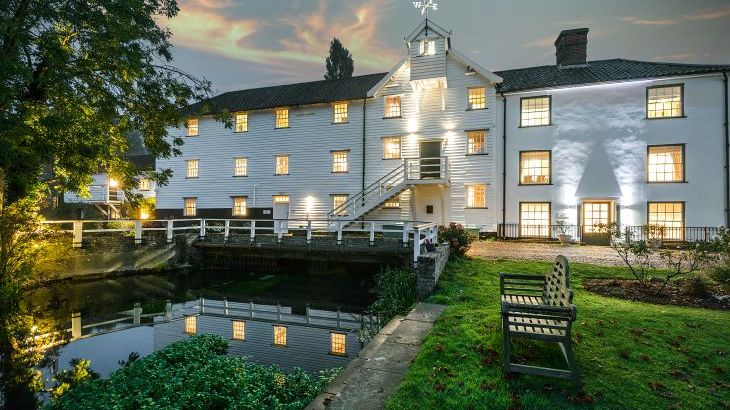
(431, 26)
(387, 77)
(476, 67)
(313, 92)
(597, 72)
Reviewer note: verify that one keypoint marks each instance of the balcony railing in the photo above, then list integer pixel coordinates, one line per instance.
(664, 234)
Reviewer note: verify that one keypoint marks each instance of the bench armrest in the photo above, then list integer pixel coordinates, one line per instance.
(561, 312)
(523, 282)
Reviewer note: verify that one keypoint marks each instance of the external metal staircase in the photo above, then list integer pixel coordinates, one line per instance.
(412, 171)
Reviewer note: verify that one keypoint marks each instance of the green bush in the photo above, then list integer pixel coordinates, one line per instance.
(396, 291)
(195, 373)
(457, 237)
(721, 275)
(696, 287)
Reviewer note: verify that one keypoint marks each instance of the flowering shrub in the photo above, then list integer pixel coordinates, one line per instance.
(457, 237)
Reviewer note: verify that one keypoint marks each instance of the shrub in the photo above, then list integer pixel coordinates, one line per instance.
(721, 275)
(396, 291)
(195, 373)
(457, 237)
(696, 287)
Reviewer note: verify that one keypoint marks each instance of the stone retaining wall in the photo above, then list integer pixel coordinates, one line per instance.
(429, 268)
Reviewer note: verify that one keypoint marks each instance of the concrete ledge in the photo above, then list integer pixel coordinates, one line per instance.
(369, 381)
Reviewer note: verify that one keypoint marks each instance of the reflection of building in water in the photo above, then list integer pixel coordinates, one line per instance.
(268, 334)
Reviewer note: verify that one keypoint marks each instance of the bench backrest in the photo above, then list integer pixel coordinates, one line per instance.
(556, 291)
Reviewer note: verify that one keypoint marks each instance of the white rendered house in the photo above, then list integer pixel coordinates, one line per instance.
(439, 138)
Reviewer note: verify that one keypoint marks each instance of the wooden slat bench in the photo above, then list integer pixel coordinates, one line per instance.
(539, 307)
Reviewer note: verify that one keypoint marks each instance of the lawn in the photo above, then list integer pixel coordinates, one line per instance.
(631, 355)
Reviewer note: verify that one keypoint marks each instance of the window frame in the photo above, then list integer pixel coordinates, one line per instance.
(147, 185)
(188, 128)
(233, 205)
(550, 164)
(394, 200)
(400, 106)
(332, 203)
(423, 49)
(681, 100)
(400, 147)
(684, 218)
(344, 344)
(286, 336)
(187, 168)
(334, 112)
(466, 197)
(684, 163)
(550, 219)
(485, 133)
(468, 102)
(235, 122)
(550, 110)
(347, 160)
(276, 118)
(193, 324)
(245, 167)
(195, 206)
(276, 164)
(274, 199)
(233, 330)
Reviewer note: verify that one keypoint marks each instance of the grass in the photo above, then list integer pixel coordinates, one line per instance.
(630, 354)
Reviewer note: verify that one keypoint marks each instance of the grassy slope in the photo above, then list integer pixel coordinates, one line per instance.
(683, 348)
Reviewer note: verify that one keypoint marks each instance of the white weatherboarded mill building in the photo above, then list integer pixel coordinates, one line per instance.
(439, 138)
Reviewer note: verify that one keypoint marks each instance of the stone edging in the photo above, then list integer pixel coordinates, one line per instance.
(369, 380)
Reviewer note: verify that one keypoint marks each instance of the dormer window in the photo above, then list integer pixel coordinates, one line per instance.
(428, 47)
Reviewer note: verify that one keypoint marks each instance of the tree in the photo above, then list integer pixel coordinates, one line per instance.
(76, 78)
(339, 63)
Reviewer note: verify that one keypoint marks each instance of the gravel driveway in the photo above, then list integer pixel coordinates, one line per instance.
(597, 255)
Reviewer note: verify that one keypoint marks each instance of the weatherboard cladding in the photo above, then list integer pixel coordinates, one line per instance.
(326, 91)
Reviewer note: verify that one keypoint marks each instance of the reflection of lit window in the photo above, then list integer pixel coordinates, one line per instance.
(476, 196)
(240, 167)
(534, 111)
(392, 106)
(534, 218)
(238, 330)
(665, 164)
(241, 122)
(338, 343)
(239, 206)
(477, 98)
(393, 203)
(670, 217)
(282, 117)
(279, 335)
(281, 199)
(428, 47)
(191, 206)
(144, 184)
(339, 161)
(664, 101)
(391, 148)
(192, 127)
(534, 167)
(475, 142)
(282, 164)
(191, 325)
(337, 202)
(339, 113)
(192, 168)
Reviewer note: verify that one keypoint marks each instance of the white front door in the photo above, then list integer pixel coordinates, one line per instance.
(281, 212)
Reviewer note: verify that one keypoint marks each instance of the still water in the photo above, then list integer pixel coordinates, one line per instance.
(291, 319)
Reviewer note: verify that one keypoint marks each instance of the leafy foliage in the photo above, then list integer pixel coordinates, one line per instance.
(196, 374)
(80, 372)
(339, 63)
(457, 237)
(396, 291)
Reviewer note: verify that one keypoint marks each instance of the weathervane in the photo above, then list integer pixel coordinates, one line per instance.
(425, 6)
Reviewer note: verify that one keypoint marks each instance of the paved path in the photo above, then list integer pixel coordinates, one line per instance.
(368, 381)
(597, 255)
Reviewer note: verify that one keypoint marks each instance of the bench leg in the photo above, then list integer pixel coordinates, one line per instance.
(567, 348)
(506, 348)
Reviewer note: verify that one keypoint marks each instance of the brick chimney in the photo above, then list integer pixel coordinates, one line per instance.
(570, 47)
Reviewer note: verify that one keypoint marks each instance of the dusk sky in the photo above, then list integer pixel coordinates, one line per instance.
(251, 43)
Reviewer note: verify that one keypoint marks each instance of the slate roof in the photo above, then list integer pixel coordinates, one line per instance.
(314, 92)
(325, 91)
(598, 71)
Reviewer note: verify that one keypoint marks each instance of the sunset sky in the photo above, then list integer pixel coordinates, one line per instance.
(250, 43)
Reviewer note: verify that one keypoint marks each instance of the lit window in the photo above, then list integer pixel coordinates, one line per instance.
(428, 47)
(281, 199)
(475, 142)
(240, 167)
(192, 168)
(144, 184)
(535, 111)
(241, 122)
(595, 215)
(535, 219)
(192, 124)
(191, 325)
(337, 202)
(339, 161)
(239, 206)
(392, 106)
(238, 330)
(282, 118)
(477, 98)
(191, 207)
(338, 344)
(664, 101)
(279, 335)
(665, 163)
(476, 196)
(282, 164)
(339, 113)
(670, 217)
(393, 203)
(391, 148)
(534, 167)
